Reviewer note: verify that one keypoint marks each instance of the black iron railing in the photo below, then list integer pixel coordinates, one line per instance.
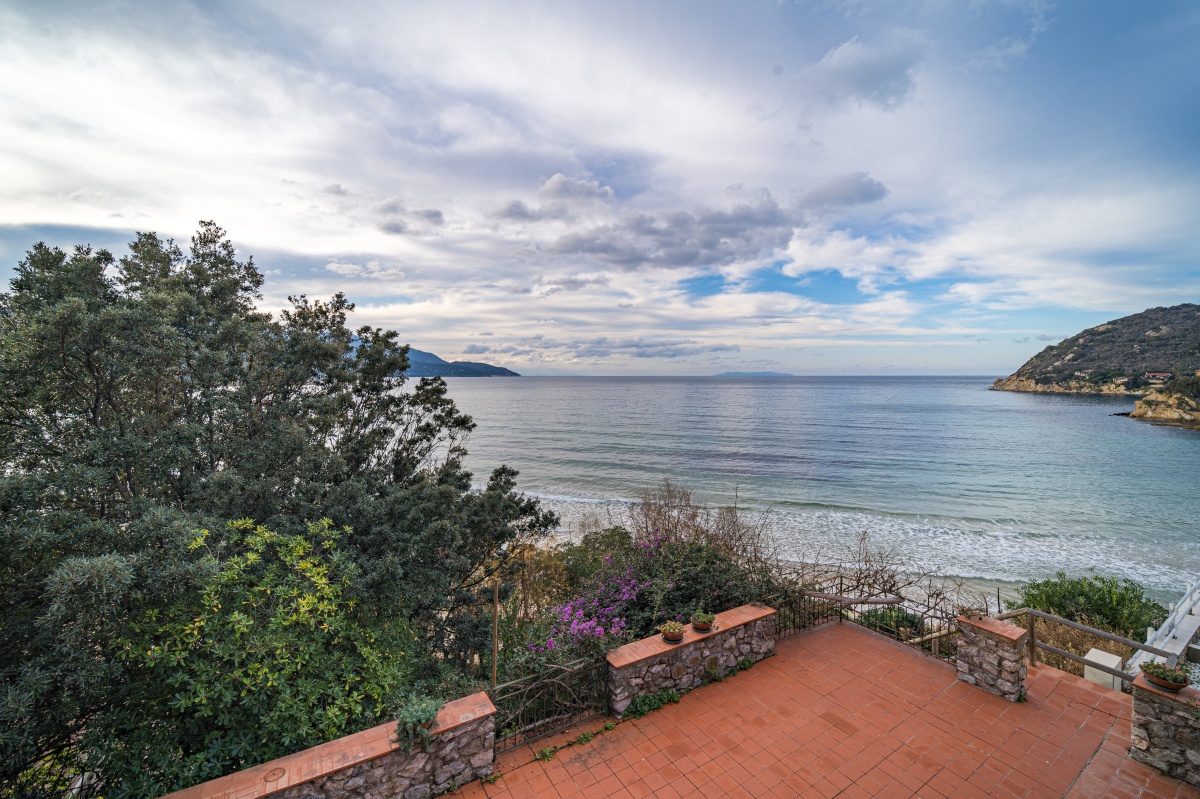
(795, 612)
(924, 621)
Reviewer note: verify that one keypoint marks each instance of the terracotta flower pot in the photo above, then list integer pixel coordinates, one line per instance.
(1164, 684)
(673, 638)
(702, 628)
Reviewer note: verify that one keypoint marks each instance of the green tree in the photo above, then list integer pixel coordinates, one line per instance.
(144, 398)
(272, 659)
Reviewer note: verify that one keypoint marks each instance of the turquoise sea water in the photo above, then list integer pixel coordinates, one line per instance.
(970, 482)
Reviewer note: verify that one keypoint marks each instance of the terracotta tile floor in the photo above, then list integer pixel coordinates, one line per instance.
(842, 712)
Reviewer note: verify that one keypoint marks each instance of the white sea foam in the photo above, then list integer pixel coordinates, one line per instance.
(1000, 550)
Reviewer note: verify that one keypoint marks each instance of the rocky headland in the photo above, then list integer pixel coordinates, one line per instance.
(1168, 408)
(1135, 355)
(1031, 386)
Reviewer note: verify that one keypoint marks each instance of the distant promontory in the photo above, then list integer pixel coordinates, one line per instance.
(1133, 355)
(754, 374)
(426, 364)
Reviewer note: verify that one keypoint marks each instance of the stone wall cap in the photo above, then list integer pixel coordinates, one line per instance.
(310, 764)
(994, 627)
(637, 651)
(1184, 696)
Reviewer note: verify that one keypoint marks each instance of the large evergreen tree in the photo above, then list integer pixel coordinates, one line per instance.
(146, 398)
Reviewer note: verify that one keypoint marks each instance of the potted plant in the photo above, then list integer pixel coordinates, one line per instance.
(702, 622)
(1165, 677)
(672, 631)
(413, 720)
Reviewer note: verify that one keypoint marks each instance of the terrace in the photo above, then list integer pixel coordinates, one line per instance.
(841, 711)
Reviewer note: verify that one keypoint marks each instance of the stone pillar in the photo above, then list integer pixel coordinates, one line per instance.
(991, 655)
(371, 763)
(1166, 730)
(652, 665)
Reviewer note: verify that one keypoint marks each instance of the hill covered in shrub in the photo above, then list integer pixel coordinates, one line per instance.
(1114, 357)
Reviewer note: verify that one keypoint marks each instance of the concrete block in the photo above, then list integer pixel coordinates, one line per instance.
(1100, 677)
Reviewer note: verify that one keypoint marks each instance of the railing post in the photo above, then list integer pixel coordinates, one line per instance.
(1032, 639)
(841, 610)
(495, 629)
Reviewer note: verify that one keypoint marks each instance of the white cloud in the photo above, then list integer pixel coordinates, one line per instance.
(879, 75)
(370, 269)
(580, 170)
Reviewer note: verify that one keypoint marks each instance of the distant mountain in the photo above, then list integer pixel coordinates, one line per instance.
(1130, 355)
(754, 374)
(426, 364)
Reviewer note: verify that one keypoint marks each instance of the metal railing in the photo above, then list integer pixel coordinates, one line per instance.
(927, 626)
(1034, 644)
(554, 698)
(796, 611)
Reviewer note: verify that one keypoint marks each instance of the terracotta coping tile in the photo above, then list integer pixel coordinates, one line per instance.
(309, 764)
(996, 627)
(1186, 696)
(646, 648)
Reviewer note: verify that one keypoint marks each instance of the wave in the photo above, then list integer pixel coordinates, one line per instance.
(1002, 550)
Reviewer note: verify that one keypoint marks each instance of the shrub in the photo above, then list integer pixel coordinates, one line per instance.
(700, 617)
(1184, 386)
(894, 622)
(1117, 605)
(644, 703)
(274, 660)
(413, 719)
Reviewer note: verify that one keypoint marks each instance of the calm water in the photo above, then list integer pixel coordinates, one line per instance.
(974, 483)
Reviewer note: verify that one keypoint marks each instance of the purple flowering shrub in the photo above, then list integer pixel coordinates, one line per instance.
(591, 623)
(625, 593)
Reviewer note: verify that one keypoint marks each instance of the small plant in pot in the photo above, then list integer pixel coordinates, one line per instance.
(413, 720)
(1165, 677)
(702, 622)
(672, 631)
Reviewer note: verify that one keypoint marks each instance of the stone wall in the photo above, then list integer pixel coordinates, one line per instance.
(652, 665)
(991, 656)
(371, 764)
(1166, 730)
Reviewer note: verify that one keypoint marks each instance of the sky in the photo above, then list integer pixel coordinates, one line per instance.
(676, 188)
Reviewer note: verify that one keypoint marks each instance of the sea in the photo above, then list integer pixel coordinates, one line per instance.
(993, 487)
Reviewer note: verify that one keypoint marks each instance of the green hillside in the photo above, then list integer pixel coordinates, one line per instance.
(1156, 340)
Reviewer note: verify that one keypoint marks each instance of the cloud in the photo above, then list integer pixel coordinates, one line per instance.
(371, 269)
(1044, 337)
(392, 205)
(561, 187)
(556, 285)
(997, 55)
(881, 75)
(1022, 340)
(673, 238)
(605, 347)
(856, 257)
(518, 211)
(568, 171)
(476, 349)
(857, 188)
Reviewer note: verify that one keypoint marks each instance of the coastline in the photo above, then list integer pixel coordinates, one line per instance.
(1025, 385)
